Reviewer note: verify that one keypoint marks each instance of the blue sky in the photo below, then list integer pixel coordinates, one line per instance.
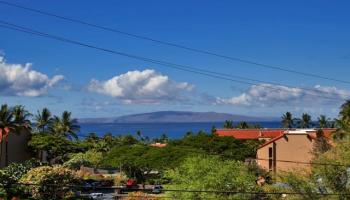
(310, 36)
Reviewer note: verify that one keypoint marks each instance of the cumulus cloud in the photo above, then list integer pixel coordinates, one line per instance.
(22, 80)
(145, 86)
(268, 95)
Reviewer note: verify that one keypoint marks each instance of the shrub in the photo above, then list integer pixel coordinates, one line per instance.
(76, 161)
(50, 182)
(10, 176)
(120, 179)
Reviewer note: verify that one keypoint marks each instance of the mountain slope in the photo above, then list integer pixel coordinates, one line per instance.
(176, 116)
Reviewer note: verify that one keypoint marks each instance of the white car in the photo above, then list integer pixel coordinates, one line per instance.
(96, 195)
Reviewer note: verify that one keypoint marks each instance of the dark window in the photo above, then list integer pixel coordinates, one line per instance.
(270, 158)
(270, 152)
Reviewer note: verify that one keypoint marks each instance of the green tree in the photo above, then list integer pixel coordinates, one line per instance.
(243, 125)
(7, 125)
(324, 122)
(51, 182)
(321, 143)
(304, 121)
(12, 120)
(43, 120)
(57, 147)
(65, 126)
(287, 120)
(343, 122)
(228, 124)
(211, 173)
(344, 114)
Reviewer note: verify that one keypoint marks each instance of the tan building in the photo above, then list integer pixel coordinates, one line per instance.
(291, 150)
(17, 148)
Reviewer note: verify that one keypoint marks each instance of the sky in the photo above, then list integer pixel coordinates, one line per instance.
(304, 36)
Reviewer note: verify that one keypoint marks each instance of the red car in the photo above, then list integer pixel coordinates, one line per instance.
(131, 183)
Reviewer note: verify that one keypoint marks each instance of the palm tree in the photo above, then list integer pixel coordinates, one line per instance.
(7, 125)
(65, 126)
(242, 125)
(343, 122)
(228, 124)
(344, 114)
(287, 120)
(323, 121)
(305, 121)
(43, 119)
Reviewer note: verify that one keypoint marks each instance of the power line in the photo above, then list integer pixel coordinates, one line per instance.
(236, 59)
(185, 190)
(284, 161)
(163, 63)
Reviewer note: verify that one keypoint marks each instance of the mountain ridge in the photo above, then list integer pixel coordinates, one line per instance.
(177, 117)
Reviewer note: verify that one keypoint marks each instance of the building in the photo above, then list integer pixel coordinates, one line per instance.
(283, 149)
(17, 148)
(290, 150)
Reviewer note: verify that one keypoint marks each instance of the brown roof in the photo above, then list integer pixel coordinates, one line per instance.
(249, 134)
(311, 134)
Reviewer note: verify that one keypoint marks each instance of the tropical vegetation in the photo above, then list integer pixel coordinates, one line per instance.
(197, 161)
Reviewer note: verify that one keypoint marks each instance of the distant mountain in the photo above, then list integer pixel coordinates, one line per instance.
(177, 117)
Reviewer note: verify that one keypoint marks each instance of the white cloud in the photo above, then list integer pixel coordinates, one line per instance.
(22, 80)
(268, 95)
(145, 86)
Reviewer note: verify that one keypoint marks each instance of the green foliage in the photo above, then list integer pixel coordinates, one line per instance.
(228, 124)
(321, 144)
(226, 147)
(139, 160)
(76, 161)
(211, 173)
(287, 120)
(48, 182)
(57, 147)
(300, 183)
(10, 176)
(336, 178)
(305, 121)
(64, 126)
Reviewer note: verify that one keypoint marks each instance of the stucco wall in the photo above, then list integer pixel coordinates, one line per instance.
(297, 147)
(17, 148)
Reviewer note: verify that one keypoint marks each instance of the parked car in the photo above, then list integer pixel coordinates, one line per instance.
(131, 183)
(96, 195)
(157, 189)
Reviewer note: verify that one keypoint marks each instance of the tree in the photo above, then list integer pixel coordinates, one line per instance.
(287, 120)
(344, 114)
(65, 126)
(321, 144)
(343, 122)
(50, 182)
(211, 173)
(57, 147)
(228, 124)
(7, 125)
(243, 125)
(43, 120)
(304, 121)
(12, 121)
(323, 121)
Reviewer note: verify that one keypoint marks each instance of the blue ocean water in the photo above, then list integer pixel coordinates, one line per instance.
(154, 130)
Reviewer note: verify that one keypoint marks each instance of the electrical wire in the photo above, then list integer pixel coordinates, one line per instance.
(163, 63)
(228, 192)
(206, 52)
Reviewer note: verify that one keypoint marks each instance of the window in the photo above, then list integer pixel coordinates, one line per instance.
(270, 158)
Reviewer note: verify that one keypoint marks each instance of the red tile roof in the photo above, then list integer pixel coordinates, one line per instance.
(249, 134)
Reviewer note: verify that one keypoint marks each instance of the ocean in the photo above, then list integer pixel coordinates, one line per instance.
(154, 130)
